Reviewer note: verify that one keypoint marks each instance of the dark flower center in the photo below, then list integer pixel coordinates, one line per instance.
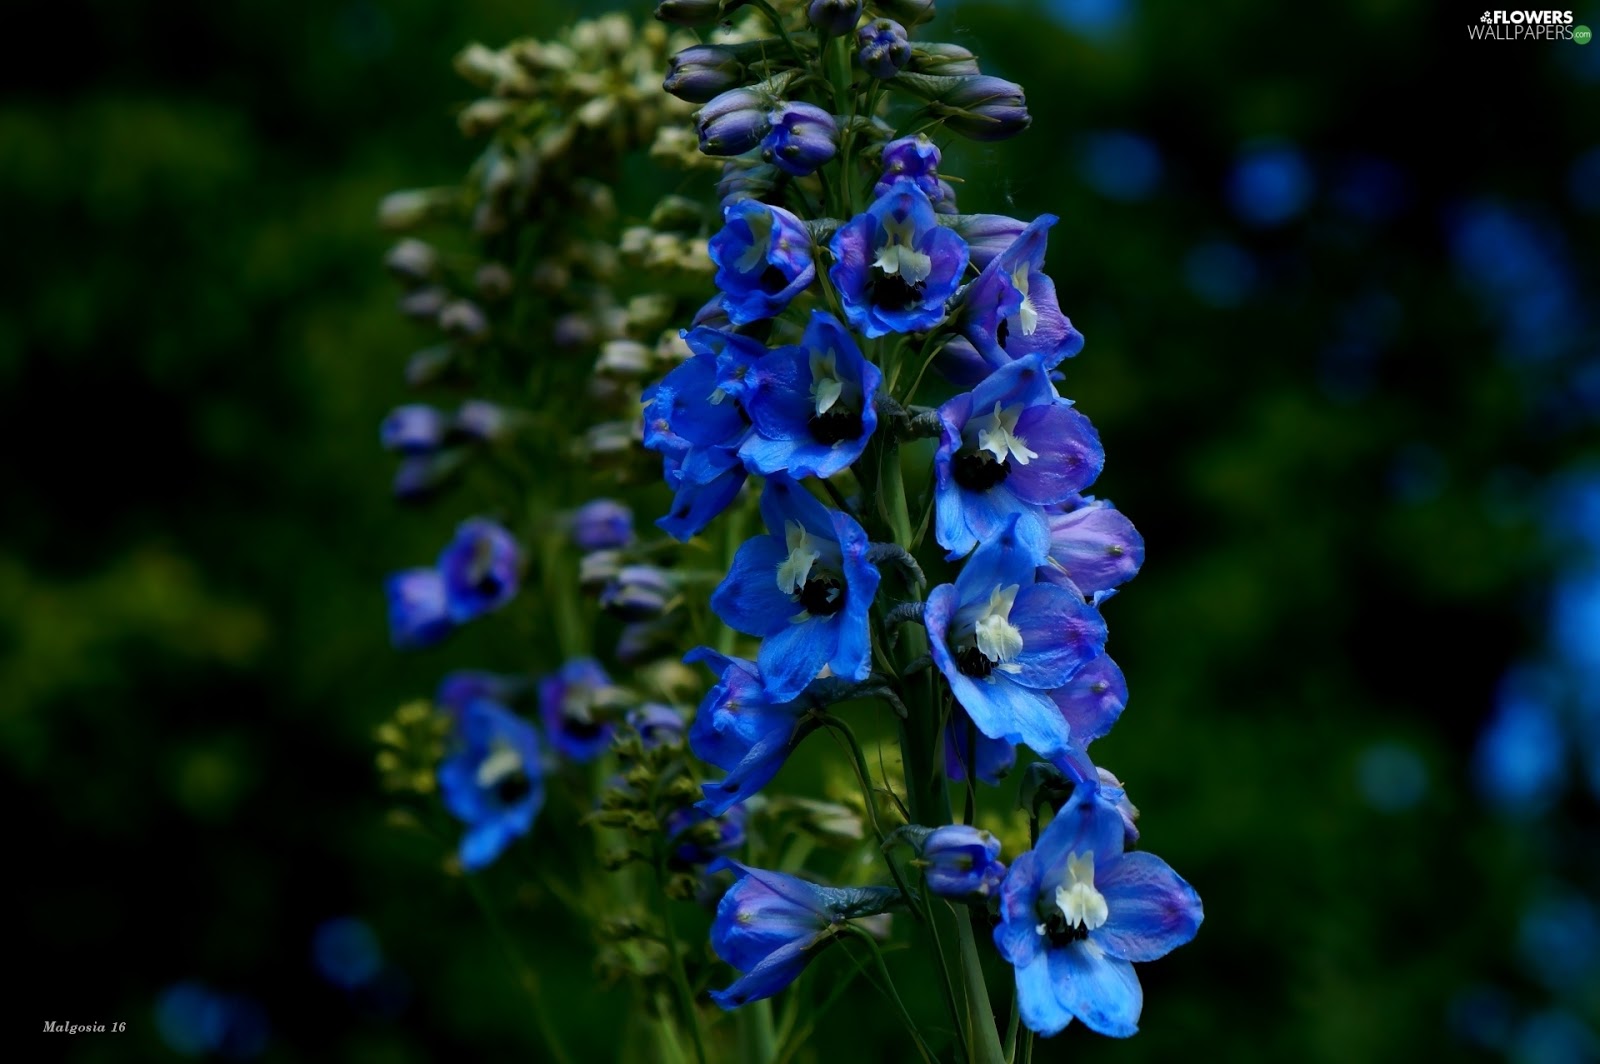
(974, 662)
(488, 585)
(1003, 333)
(512, 788)
(977, 470)
(822, 595)
(891, 291)
(1059, 932)
(773, 280)
(835, 424)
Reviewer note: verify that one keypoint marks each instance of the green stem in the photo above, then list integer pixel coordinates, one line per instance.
(680, 981)
(888, 987)
(757, 1045)
(526, 976)
(985, 1047)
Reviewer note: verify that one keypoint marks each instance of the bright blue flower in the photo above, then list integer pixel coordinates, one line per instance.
(740, 729)
(961, 861)
(805, 589)
(895, 266)
(1011, 446)
(991, 760)
(1003, 642)
(769, 926)
(883, 48)
(492, 782)
(1093, 546)
(914, 158)
(482, 568)
(602, 524)
(413, 429)
(1076, 912)
(569, 705)
(419, 608)
(803, 137)
(813, 405)
(1010, 311)
(1092, 699)
(763, 257)
(685, 845)
(694, 418)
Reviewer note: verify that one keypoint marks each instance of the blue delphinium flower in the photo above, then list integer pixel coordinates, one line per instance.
(961, 861)
(1011, 309)
(482, 568)
(763, 257)
(733, 122)
(895, 266)
(1093, 546)
(702, 72)
(1003, 642)
(740, 729)
(413, 429)
(694, 418)
(915, 158)
(1076, 912)
(493, 782)
(837, 17)
(567, 705)
(602, 524)
(419, 608)
(884, 49)
(803, 137)
(657, 725)
(965, 747)
(769, 926)
(813, 405)
(983, 107)
(1011, 446)
(638, 593)
(805, 589)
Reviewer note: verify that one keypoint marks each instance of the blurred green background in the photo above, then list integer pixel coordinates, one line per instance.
(1291, 239)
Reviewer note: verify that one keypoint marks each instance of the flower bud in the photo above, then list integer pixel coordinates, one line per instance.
(400, 211)
(412, 261)
(602, 524)
(463, 319)
(916, 157)
(743, 179)
(982, 107)
(423, 304)
(413, 429)
(702, 72)
(689, 12)
(483, 66)
(937, 58)
(484, 422)
(493, 281)
(987, 235)
(637, 593)
(677, 214)
(732, 123)
(803, 138)
(910, 12)
(420, 477)
(419, 612)
(657, 725)
(598, 568)
(837, 17)
(961, 861)
(643, 640)
(482, 117)
(884, 49)
(430, 365)
(624, 358)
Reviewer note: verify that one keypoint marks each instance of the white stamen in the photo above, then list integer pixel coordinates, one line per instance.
(503, 761)
(803, 550)
(897, 255)
(997, 638)
(760, 224)
(826, 387)
(1080, 903)
(997, 434)
(1029, 315)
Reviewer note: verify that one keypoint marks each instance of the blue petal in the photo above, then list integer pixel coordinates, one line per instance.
(1060, 632)
(1095, 547)
(1069, 458)
(1150, 910)
(778, 394)
(1004, 560)
(1016, 935)
(791, 657)
(784, 500)
(1083, 825)
(1092, 699)
(1041, 1012)
(775, 971)
(695, 505)
(482, 844)
(1101, 991)
(748, 599)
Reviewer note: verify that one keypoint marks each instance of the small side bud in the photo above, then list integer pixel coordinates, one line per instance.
(884, 49)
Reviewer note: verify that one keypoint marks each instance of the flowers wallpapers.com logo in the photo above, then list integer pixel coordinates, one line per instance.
(1496, 25)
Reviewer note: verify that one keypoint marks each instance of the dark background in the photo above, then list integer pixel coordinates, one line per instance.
(1335, 265)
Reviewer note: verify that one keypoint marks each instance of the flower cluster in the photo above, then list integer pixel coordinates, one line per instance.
(804, 371)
